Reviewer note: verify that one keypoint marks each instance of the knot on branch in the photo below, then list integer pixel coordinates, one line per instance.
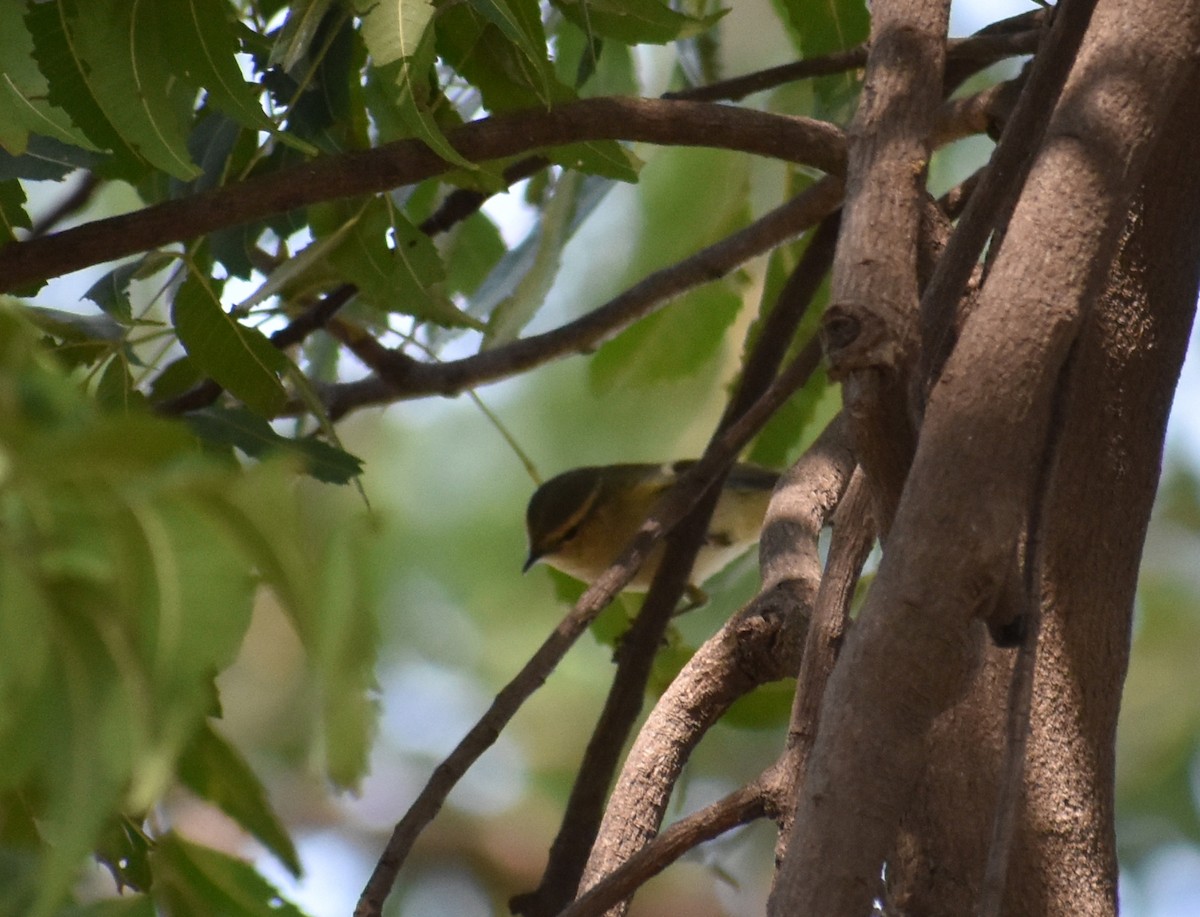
(855, 337)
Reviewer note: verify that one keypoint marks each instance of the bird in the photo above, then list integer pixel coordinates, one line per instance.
(580, 520)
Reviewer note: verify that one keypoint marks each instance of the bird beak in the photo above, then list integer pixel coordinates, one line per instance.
(532, 559)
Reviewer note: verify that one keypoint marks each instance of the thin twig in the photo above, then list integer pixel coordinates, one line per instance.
(668, 512)
(638, 649)
(316, 316)
(1002, 181)
(738, 808)
(763, 642)
(399, 376)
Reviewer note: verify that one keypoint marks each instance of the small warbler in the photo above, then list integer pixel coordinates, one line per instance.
(579, 521)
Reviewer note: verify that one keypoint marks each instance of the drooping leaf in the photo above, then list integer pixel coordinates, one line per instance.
(215, 771)
(252, 434)
(512, 313)
(201, 43)
(119, 47)
(24, 108)
(195, 881)
(400, 43)
(241, 359)
(634, 21)
(12, 209)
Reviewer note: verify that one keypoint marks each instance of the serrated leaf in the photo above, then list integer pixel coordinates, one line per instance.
(12, 210)
(241, 359)
(120, 52)
(299, 30)
(201, 43)
(253, 435)
(520, 21)
(50, 27)
(215, 771)
(635, 21)
(399, 41)
(197, 881)
(23, 89)
(111, 292)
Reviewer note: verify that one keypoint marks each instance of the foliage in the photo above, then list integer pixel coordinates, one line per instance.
(163, 435)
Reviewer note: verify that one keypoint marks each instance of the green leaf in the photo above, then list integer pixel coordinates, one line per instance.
(111, 292)
(241, 359)
(126, 906)
(513, 312)
(520, 22)
(400, 43)
(200, 44)
(23, 90)
(216, 772)
(635, 21)
(254, 436)
(116, 390)
(195, 881)
(12, 209)
(669, 344)
(120, 51)
(51, 27)
(606, 158)
(342, 641)
(819, 27)
(299, 31)
(470, 250)
(394, 265)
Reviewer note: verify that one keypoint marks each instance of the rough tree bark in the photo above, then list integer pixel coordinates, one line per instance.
(965, 504)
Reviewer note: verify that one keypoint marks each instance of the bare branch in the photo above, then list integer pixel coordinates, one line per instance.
(853, 536)
(759, 644)
(673, 506)
(738, 808)
(400, 376)
(970, 54)
(870, 328)
(1001, 182)
(404, 162)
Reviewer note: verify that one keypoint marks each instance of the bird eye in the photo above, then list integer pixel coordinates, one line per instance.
(569, 534)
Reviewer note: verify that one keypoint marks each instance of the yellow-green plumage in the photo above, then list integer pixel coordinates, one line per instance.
(579, 521)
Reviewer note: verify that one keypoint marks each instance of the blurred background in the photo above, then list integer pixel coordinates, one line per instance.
(447, 491)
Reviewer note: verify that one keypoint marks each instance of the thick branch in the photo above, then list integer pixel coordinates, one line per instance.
(870, 327)
(405, 162)
(912, 651)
